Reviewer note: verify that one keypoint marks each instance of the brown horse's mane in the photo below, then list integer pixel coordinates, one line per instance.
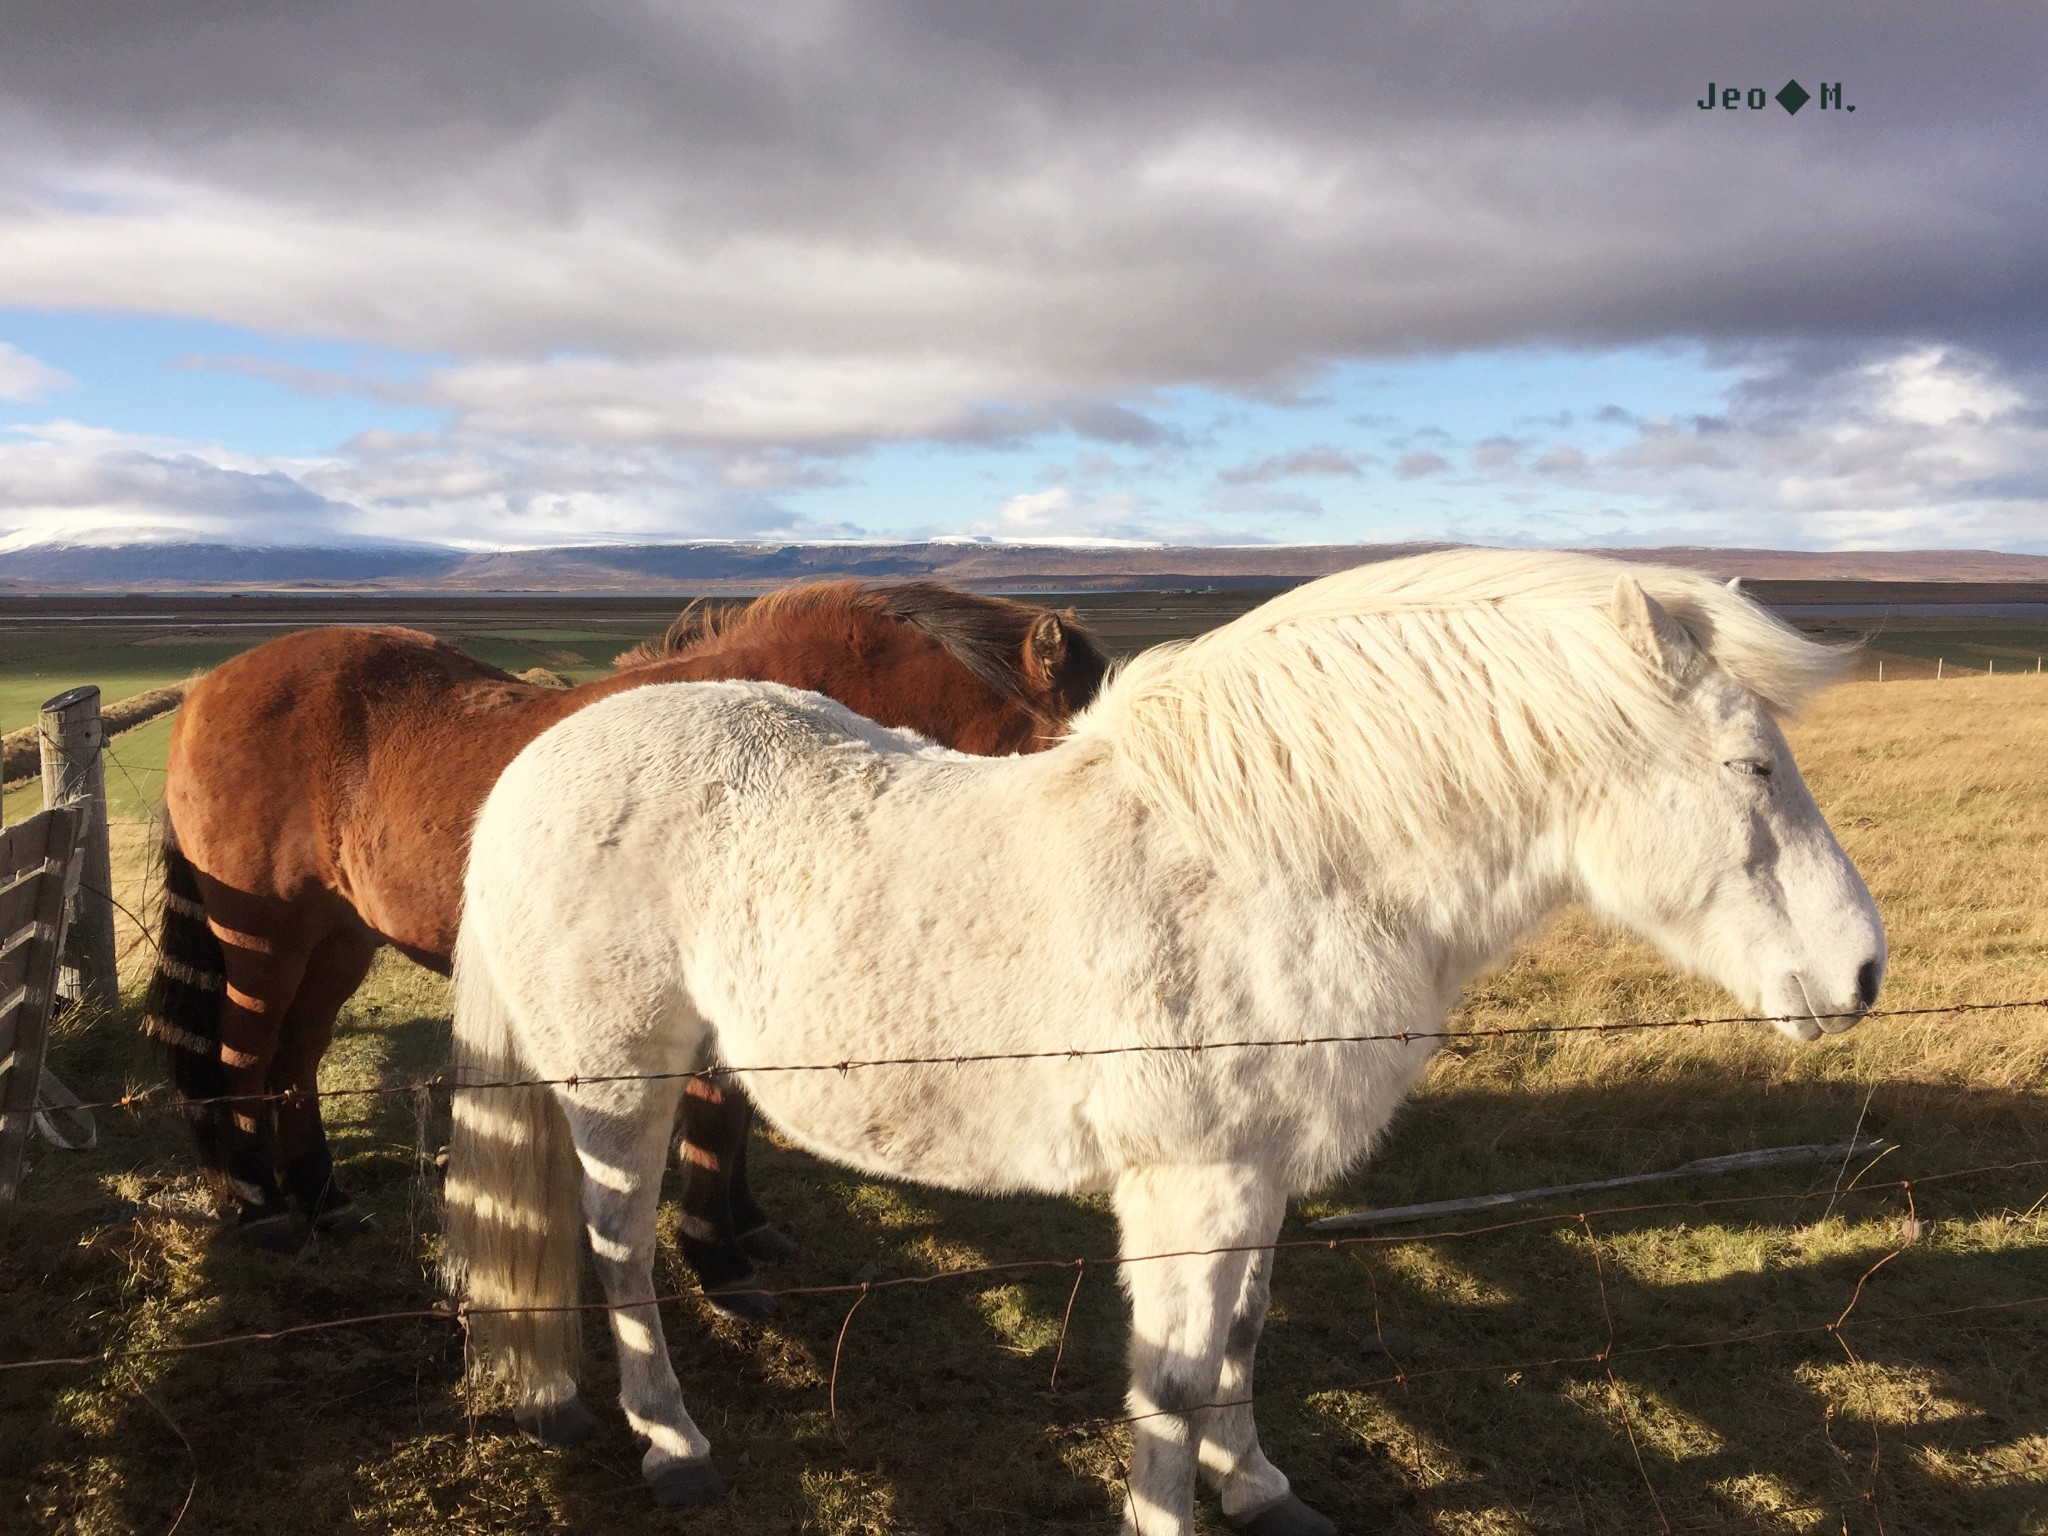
(984, 634)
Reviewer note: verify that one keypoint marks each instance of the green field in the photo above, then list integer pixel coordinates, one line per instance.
(37, 667)
(1905, 1422)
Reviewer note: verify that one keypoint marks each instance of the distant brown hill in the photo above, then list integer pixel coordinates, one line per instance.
(1910, 565)
(743, 567)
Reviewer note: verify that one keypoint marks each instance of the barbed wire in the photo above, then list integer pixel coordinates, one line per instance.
(162, 1097)
(860, 1289)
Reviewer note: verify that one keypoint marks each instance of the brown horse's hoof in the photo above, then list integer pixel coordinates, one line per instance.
(687, 1485)
(273, 1234)
(344, 1222)
(560, 1425)
(743, 1299)
(1285, 1516)
(769, 1244)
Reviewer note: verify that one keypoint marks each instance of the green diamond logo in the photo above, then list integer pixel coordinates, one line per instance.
(1793, 97)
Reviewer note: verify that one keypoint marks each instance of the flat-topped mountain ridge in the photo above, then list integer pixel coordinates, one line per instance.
(711, 567)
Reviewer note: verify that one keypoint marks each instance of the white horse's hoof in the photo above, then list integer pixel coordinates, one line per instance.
(1285, 1516)
(687, 1484)
(769, 1244)
(560, 1424)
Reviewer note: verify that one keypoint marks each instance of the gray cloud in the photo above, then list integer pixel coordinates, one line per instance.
(1320, 461)
(1563, 459)
(1413, 466)
(1085, 199)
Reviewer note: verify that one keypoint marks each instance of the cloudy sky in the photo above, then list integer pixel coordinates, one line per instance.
(508, 274)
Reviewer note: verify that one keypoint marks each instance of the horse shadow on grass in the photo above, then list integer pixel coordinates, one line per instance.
(946, 1417)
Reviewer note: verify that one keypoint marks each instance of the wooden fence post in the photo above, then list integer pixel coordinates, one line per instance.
(74, 775)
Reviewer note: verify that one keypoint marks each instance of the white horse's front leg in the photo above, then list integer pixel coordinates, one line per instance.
(622, 1137)
(1183, 1310)
(1254, 1492)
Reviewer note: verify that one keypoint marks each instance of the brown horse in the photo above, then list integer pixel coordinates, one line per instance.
(320, 794)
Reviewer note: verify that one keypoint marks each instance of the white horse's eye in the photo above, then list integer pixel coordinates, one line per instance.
(1755, 767)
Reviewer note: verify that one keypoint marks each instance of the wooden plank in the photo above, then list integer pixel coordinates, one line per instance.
(23, 844)
(1734, 1162)
(18, 904)
(14, 957)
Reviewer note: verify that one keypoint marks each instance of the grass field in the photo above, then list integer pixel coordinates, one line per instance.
(946, 1422)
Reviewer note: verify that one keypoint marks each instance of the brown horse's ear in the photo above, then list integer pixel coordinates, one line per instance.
(1044, 648)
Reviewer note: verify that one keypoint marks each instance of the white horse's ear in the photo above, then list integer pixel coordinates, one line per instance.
(1652, 631)
(1735, 585)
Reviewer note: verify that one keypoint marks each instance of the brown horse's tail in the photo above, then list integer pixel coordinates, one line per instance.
(182, 1007)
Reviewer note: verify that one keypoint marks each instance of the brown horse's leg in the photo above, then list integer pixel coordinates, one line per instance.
(262, 976)
(758, 1234)
(715, 1119)
(333, 972)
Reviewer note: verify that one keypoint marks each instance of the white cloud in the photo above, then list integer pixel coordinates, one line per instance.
(62, 479)
(1932, 388)
(1939, 448)
(789, 400)
(1034, 512)
(27, 378)
(1927, 447)
(1057, 516)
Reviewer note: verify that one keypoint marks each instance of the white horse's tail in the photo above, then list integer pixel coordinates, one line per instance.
(514, 1203)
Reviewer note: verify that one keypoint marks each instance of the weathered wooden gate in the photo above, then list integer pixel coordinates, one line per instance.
(40, 863)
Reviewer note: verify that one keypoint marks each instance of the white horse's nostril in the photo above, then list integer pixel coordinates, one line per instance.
(1869, 977)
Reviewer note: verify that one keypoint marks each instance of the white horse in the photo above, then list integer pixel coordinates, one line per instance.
(1323, 818)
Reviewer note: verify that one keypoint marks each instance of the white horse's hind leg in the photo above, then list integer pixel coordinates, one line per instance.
(1183, 1311)
(622, 1134)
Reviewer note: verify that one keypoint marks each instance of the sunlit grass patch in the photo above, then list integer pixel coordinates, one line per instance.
(1885, 1394)
(1023, 1326)
(1635, 1412)
(1772, 1503)
(1435, 1272)
(2021, 1462)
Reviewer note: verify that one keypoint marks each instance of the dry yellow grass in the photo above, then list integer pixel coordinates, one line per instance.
(946, 1422)
(1939, 792)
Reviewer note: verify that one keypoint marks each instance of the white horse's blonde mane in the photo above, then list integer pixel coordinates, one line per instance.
(1390, 701)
